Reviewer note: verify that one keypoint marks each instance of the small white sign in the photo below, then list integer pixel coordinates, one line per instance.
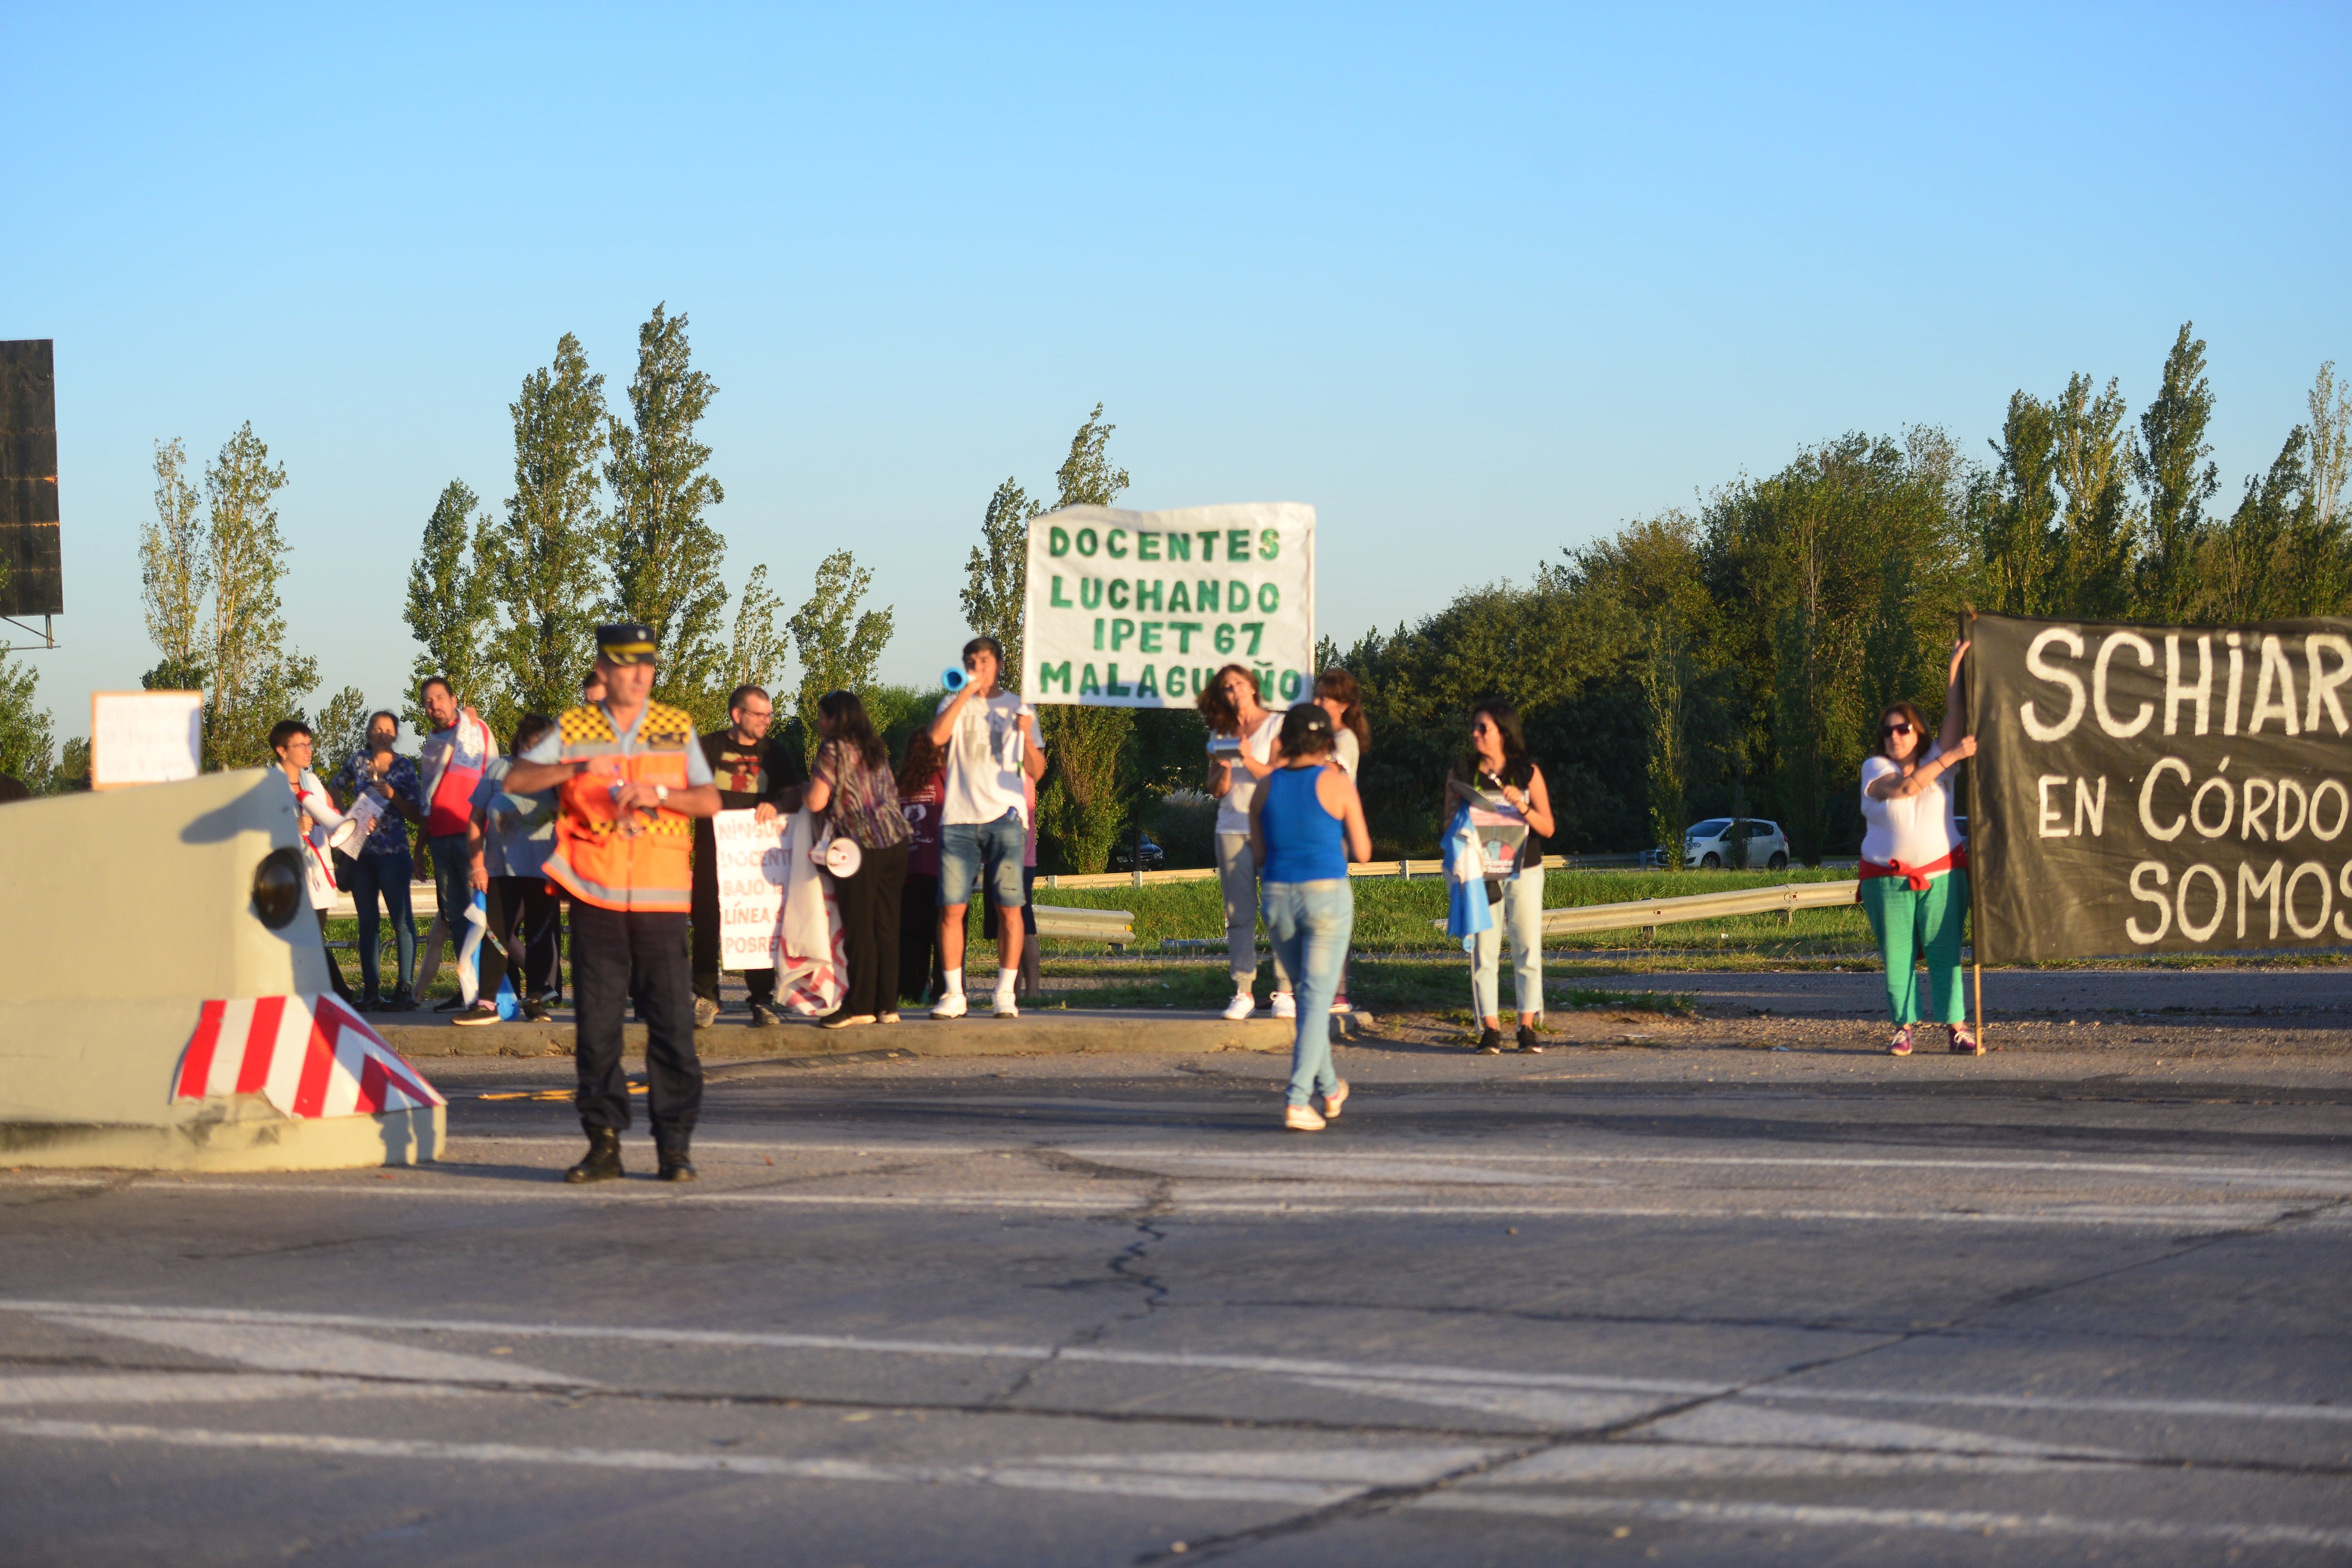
(753, 871)
(145, 737)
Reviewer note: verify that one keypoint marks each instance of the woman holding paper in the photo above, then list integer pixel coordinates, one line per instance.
(1915, 870)
(1496, 778)
(1244, 747)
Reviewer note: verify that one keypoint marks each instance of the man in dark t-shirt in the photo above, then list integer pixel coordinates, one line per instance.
(752, 773)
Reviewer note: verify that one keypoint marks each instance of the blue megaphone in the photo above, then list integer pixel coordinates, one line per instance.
(955, 679)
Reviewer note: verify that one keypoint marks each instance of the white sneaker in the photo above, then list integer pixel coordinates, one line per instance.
(951, 1006)
(1301, 1118)
(1006, 1006)
(1240, 1008)
(1284, 1005)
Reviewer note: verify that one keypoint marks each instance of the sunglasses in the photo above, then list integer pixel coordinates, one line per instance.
(1885, 730)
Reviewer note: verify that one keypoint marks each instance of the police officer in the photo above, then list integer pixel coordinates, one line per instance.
(630, 780)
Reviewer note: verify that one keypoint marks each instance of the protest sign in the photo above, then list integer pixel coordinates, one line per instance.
(1140, 609)
(751, 876)
(2159, 789)
(145, 737)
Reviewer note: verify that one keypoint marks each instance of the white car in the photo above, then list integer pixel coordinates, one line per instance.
(1708, 845)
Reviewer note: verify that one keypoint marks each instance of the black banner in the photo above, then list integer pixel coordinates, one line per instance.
(2145, 789)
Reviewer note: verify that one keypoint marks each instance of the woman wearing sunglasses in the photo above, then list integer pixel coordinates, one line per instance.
(1915, 872)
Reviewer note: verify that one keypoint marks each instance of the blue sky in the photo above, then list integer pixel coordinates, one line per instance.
(1478, 283)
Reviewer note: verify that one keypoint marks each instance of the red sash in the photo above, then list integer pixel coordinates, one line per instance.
(451, 806)
(1915, 877)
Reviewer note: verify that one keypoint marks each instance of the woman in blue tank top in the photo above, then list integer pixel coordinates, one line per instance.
(1306, 824)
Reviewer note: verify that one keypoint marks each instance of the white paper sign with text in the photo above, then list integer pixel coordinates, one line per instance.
(1140, 609)
(751, 876)
(145, 737)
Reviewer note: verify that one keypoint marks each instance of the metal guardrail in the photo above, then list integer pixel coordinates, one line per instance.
(1116, 927)
(1651, 913)
(1406, 869)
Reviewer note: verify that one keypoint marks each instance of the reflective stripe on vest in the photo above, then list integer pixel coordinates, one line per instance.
(650, 869)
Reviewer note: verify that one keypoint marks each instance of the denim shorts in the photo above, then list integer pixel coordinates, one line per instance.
(966, 848)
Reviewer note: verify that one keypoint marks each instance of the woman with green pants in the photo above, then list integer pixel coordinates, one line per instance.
(1915, 871)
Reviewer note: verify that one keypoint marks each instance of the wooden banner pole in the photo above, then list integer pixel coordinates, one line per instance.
(1976, 826)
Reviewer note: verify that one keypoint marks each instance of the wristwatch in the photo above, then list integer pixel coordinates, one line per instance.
(661, 793)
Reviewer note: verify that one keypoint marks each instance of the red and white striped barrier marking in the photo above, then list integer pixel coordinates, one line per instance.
(308, 1056)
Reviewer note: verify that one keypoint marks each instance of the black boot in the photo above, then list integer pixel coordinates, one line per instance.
(603, 1161)
(674, 1165)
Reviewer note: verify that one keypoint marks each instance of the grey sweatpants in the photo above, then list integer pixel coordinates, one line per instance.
(1519, 916)
(1238, 876)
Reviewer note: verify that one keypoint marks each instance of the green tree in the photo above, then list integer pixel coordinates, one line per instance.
(837, 642)
(758, 653)
(666, 556)
(1085, 799)
(545, 559)
(451, 610)
(340, 731)
(2019, 542)
(27, 735)
(256, 679)
(996, 579)
(2099, 528)
(2172, 445)
(174, 575)
(2259, 563)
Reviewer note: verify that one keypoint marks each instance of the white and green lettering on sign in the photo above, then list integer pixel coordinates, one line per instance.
(1140, 609)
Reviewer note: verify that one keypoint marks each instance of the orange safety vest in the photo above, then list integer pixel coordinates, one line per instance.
(651, 870)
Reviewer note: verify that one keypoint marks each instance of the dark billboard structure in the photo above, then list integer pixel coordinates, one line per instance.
(35, 582)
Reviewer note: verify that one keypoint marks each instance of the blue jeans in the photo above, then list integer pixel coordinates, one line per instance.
(968, 849)
(453, 885)
(1310, 924)
(387, 875)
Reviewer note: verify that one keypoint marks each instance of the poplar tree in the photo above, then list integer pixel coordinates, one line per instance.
(2099, 528)
(2020, 547)
(545, 559)
(174, 575)
(838, 643)
(666, 557)
(27, 733)
(1084, 801)
(2172, 445)
(996, 578)
(450, 608)
(758, 653)
(256, 679)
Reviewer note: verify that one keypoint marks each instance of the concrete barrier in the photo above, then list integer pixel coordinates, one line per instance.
(151, 1016)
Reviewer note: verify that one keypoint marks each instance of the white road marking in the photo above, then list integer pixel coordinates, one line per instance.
(1554, 1409)
(1730, 1422)
(204, 1388)
(1674, 1510)
(1293, 1155)
(1320, 1480)
(1296, 1480)
(2184, 1217)
(1621, 1464)
(289, 1348)
(100, 1315)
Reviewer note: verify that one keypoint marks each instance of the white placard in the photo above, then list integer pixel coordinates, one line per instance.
(751, 875)
(145, 737)
(1140, 609)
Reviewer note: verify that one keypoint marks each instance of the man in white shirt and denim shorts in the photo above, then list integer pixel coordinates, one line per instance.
(988, 743)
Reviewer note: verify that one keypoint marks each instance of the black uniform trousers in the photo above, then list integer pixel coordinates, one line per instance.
(761, 983)
(614, 956)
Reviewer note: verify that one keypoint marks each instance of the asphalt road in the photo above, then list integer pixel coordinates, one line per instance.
(1587, 1307)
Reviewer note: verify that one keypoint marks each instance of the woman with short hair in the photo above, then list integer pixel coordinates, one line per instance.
(1497, 768)
(1234, 714)
(852, 787)
(1915, 870)
(1306, 824)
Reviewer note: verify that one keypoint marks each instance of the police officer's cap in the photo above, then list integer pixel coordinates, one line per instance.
(626, 642)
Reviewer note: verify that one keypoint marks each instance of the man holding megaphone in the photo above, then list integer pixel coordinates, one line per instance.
(988, 739)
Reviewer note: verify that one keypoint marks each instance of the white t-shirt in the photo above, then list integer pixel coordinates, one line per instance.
(1233, 811)
(984, 761)
(1918, 831)
(1346, 751)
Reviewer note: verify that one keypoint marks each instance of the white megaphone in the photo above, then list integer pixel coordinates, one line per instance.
(841, 856)
(338, 836)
